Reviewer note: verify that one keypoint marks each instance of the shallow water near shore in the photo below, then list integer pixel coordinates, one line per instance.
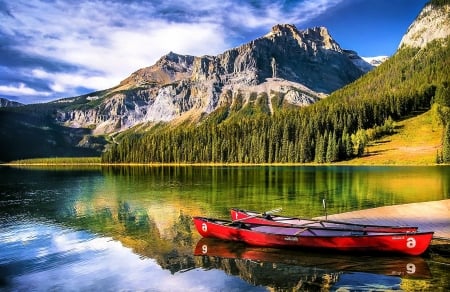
(130, 228)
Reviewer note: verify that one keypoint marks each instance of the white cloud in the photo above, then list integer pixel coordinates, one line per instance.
(275, 12)
(87, 40)
(21, 89)
(309, 9)
(144, 47)
(103, 42)
(78, 260)
(68, 82)
(126, 52)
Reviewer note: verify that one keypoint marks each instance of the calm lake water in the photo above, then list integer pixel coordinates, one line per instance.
(130, 228)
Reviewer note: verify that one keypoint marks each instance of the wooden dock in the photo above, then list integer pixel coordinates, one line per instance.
(428, 216)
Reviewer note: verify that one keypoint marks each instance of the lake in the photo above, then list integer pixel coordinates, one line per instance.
(130, 228)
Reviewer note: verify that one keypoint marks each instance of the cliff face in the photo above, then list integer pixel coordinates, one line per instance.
(432, 23)
(303, 66)
(309, 57)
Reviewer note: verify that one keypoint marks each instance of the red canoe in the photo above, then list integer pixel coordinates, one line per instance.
(269, 219)
(314, 237)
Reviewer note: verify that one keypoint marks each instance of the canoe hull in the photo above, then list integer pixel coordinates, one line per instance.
(254, 217)
(282, 237)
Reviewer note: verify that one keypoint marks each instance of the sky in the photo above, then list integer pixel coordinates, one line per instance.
(51, 49)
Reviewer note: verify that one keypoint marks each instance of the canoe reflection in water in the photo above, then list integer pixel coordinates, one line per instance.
(284, 269)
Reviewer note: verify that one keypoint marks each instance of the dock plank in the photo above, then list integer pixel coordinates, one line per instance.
(428, 216)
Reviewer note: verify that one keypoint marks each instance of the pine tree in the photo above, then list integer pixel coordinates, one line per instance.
(320, 152)
(332, 148)
(446, 145)
(360, 141)
(438, 157)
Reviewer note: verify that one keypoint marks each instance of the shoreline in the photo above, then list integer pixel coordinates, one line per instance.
(215, 164)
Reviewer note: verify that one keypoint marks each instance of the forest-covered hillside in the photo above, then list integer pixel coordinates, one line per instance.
(338, 128)
(29, 131)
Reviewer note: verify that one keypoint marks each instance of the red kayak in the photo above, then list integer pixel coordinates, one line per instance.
(337, 239)
(269, 219)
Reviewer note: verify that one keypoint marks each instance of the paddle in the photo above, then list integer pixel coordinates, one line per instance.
(257, 215)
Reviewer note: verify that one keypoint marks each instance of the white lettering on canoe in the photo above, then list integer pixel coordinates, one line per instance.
(410, 242)
(291, 238)
(204, 227)
(397, 237)
(410, 268)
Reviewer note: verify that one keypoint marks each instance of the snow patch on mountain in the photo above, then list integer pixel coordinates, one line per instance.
(375, 61)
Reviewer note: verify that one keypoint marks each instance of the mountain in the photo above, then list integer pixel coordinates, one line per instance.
(301, 65)
(8, 103)
(432, 23)
(414, 80)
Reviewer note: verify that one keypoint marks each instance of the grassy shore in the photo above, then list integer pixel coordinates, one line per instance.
(58, 161)
(416, 142)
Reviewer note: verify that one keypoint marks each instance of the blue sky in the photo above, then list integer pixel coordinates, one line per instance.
(52, 49)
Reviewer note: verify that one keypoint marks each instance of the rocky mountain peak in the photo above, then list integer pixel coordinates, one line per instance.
(167, 69)
(300, 65)
(285, 52)
(432, 23)
(172, 59)
(317, 37)
(321, 36)
(284, 29)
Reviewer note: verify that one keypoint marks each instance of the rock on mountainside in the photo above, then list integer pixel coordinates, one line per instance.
(432, 23)
(302, 65)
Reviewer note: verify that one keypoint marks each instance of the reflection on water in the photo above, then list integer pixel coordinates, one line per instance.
(130, 228)
(44, 257)
(287, 270)
(401, 266)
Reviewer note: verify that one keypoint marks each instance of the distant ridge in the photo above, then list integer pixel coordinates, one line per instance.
(8, 103)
